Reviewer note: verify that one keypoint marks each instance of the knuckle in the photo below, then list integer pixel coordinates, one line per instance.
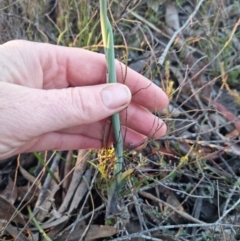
(83, 102)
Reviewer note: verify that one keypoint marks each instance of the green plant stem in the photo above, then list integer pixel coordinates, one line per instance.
(108, 42)
(115, 188)
(38, 225)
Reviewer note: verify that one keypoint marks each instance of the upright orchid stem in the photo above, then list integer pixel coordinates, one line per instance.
(107, 35)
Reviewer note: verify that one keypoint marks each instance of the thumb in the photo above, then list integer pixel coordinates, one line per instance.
(37, 112)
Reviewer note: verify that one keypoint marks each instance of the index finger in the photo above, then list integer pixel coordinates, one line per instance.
(78, 67)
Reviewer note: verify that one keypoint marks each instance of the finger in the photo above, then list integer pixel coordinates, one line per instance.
(63, 67)
(88, 68)
(142, 121)
(102, 130)
(63, 141)
(135, 117)
(41, 111)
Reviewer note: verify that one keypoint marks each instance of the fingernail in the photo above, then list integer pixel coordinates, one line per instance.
(115, 96)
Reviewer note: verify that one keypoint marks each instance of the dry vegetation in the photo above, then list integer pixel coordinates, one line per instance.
(184, 186)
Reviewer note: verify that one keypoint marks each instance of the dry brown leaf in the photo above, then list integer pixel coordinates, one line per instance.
(233, 135)
(219, 120)
(47, 204)
(94, 232)
(134, 227)
(27, 175)
(7, 210)
(167, 151)
(10, 192)
(80, 168)
(183, 214)
(208, 153)
(56, 226)
(56, 222)
(14, 232)
(29, 195)
(67, 176)
(172, 200)
(228, 115)
(81, 191)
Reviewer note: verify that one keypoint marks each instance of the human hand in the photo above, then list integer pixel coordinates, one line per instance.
(56, 98)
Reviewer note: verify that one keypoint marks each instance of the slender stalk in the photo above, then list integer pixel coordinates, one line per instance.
(38, 226)
(108, 42)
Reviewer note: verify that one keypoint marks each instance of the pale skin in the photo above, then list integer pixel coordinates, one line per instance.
(56, 98)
